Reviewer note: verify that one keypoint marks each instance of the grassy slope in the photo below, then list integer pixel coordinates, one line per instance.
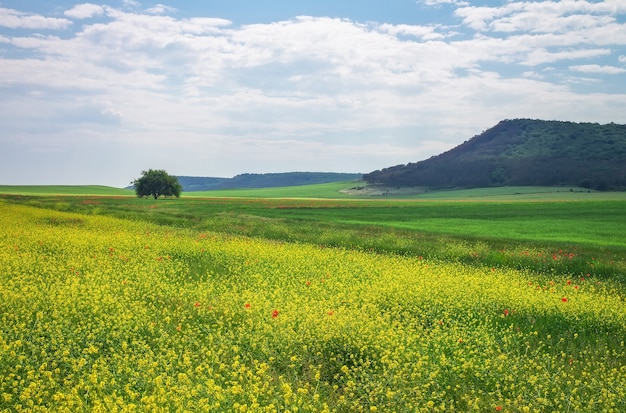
(332, 191)
(492, 232)
(540, 214)
(522, 193)
(63, 190)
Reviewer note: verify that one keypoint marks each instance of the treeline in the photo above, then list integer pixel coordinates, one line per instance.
(523, 152)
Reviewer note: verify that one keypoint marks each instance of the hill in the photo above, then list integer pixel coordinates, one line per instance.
(269, 180)
(523, 152)
(199, 183)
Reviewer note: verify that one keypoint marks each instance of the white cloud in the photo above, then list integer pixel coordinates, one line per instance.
(420, 32)
(160, 9)
(540, 32)
(608, 70)
(84, 11)
(33, 42)
(541, 16)
(546, 23)
(442, 2)
(131, 3)
(14, 19)
(541, 56)
(356, 96)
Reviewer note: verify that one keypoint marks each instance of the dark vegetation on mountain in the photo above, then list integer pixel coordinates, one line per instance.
(269, 180)
(523, 152)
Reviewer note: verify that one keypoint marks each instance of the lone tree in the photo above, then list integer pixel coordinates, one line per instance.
(156, 183)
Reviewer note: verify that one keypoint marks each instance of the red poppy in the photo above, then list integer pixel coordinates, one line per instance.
(498, 408)
(331, 312)
(564, 299)
(506, 312)
(247, 305)
(196, 304)
(274, 313)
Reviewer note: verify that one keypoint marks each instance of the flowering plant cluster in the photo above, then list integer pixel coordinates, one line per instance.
(99, 314)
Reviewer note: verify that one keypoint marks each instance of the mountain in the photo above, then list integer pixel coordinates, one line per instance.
(523, 152)
(269, 180)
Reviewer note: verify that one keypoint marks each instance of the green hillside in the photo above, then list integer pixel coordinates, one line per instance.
(337, 190)
(523, 152)
(267, 180)
(64, 190)
(327, 190)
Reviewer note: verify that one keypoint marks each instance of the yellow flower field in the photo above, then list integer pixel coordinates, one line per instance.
(105, 315)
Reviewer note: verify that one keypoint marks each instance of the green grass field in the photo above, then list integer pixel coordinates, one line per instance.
(330, 190)
(64, 190)
(333, 191)
(484, 300)
(488, 229)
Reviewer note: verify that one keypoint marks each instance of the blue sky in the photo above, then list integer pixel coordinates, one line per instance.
(94, 93)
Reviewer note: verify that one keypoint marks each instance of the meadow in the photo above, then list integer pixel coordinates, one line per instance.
(112, 303)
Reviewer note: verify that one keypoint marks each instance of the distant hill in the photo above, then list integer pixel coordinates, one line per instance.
(269, 180)
(523, 152)
(199, 183)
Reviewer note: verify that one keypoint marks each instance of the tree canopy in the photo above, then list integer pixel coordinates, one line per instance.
(156, 183)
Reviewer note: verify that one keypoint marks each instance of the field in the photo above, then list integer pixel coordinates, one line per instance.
(63, 190)
(478, 303)
(334, 191)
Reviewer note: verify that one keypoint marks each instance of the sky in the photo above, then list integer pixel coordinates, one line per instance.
(95, 93)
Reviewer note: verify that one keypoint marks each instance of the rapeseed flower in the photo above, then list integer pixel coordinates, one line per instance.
(92, 320)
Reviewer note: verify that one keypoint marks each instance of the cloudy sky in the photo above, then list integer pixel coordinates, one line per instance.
(94, 93)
